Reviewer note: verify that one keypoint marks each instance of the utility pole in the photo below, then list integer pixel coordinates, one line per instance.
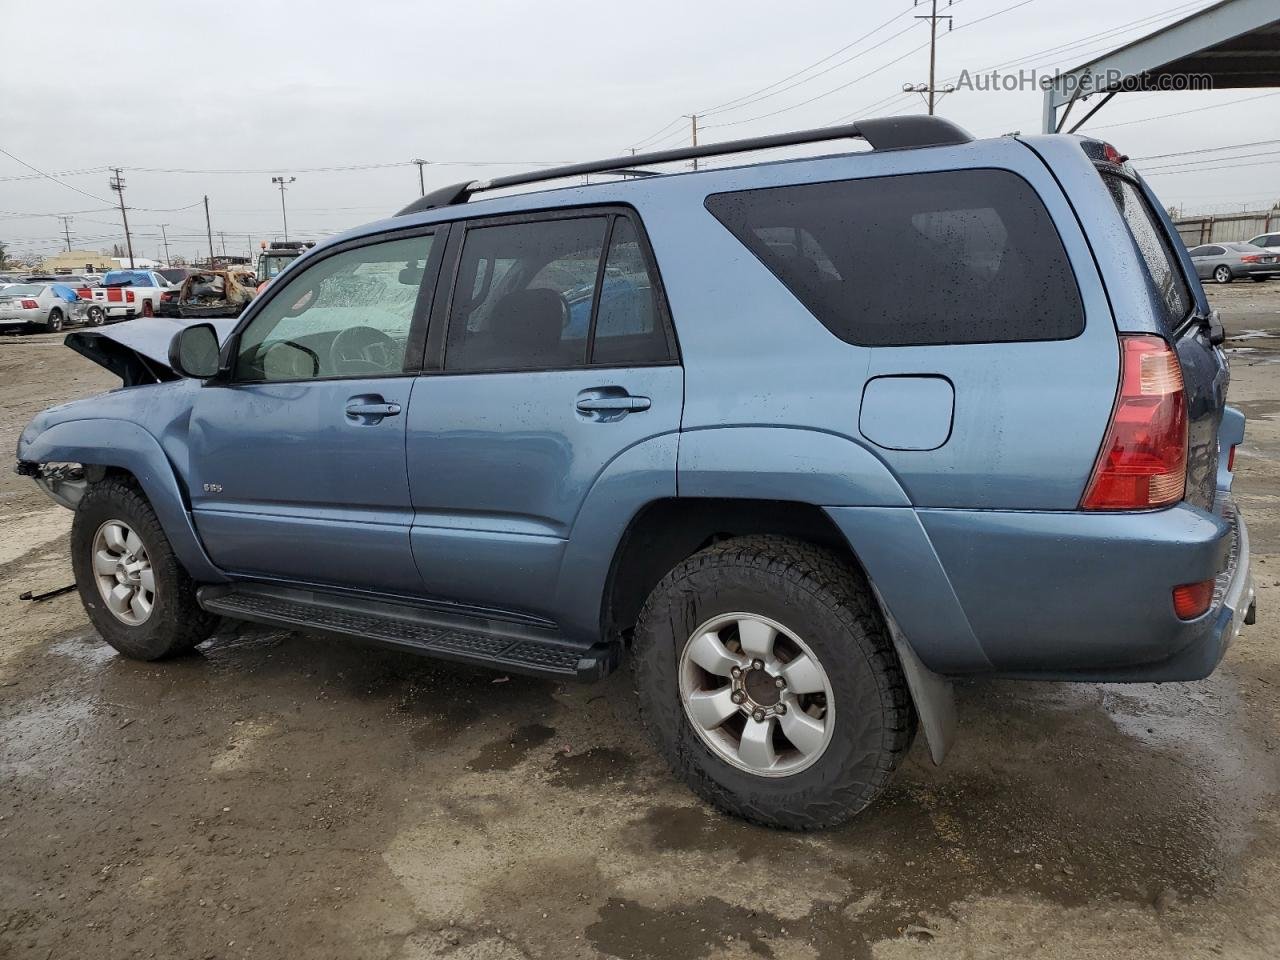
(932, 90)
(66, 230)
(223, 238)
(165, 234)
(208, 228)
(284, 214)
(693, 120)
(117, 184)
(422, 184)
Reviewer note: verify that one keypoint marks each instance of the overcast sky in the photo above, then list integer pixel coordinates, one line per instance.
(286, 87)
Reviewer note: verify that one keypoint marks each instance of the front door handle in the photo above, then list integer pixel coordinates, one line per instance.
(370, 409)
(624, 404)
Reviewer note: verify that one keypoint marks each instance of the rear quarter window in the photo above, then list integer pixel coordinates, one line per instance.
(965, 256)
(1163, 271)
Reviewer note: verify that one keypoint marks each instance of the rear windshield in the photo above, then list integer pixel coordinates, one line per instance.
(22, 290)
(965, 256)
(1163, 270)
(127, 278)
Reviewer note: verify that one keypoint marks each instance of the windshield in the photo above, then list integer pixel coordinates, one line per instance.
(270, 265)
(126, 278)
(23, 290)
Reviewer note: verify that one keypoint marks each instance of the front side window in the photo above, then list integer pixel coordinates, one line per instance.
(347, 315)
(964, 256)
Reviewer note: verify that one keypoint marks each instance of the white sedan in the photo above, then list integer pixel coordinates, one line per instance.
(46, 306)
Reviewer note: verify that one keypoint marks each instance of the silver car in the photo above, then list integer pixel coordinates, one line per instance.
(1224, 262)
(46, 306)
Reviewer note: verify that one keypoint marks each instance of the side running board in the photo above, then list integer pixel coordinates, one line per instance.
(500, 644)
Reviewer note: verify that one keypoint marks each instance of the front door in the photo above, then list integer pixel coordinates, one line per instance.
(298, 459)
(558, 359)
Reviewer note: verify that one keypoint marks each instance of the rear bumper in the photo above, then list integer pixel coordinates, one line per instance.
(1060, 596)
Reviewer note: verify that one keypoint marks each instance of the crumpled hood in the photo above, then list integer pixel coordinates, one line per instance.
(138, 350)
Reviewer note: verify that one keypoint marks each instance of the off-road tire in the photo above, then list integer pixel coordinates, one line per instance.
(815, 593)
(177, 622)
(54, 323)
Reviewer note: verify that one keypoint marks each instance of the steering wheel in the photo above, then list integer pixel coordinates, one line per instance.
(364, 350)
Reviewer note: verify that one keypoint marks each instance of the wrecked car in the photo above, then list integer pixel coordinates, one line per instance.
(210, 293)
(800, 475)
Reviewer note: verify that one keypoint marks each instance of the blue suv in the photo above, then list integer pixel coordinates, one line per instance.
(804, 440)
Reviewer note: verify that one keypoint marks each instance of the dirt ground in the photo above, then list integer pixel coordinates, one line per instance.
(277, 795)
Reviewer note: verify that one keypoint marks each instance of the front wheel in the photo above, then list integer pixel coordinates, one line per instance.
(1222, 274)
(95, 316)
(768, 681)
(1259, 279)
(134, 590)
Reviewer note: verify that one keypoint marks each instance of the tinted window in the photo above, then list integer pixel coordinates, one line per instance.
(967, 256)
(1162, 266)
(524, 295)
(347, 315)
(629, 328)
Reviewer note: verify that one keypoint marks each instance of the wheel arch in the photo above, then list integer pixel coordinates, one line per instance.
(119, 445)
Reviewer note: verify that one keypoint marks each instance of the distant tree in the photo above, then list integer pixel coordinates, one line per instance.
(4, 260)
(116, 251)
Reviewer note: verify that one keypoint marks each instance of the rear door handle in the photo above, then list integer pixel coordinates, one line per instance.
(626, 404)
(371, 410)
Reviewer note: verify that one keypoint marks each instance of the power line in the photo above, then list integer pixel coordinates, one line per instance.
(750, 98)
(885, 66)
(1183, 113)
(1199, 150)
(49, 176)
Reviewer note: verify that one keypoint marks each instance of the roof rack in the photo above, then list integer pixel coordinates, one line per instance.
(883, 133)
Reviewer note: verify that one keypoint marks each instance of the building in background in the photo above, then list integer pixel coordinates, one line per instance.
(78, 261)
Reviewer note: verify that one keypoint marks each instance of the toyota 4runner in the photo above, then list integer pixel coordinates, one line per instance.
(803, 440)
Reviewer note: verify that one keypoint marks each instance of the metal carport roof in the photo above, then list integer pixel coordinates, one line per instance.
(1235, 43)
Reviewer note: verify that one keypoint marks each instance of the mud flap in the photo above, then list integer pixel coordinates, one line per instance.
(932, 693)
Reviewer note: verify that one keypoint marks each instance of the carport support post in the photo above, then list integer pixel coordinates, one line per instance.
(208, 229)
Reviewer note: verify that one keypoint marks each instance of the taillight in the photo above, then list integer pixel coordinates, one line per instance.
(128, 295)
(1143, 460)
(1251, 258)
(1192, 599)
(30, 304)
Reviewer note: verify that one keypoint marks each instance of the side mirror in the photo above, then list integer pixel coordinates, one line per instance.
(193, 352)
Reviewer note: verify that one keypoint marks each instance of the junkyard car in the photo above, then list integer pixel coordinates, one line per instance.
(46, 306)
(1224, 262)
(210, 293)
(802, 439)
(125, 294)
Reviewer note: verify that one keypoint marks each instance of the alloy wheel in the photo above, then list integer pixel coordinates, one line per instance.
(756, 694)
(123, 572)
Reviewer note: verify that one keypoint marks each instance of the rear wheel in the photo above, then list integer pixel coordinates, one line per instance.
(769, 683)
(54, 323)
(135, 591)
(1259, 279)
(147, 309)
(1222, 274)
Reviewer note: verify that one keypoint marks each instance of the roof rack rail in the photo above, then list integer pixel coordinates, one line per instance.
(883, 133)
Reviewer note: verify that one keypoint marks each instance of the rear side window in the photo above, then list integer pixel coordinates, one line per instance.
(966, 256)
(552, 295)
(1162, 266)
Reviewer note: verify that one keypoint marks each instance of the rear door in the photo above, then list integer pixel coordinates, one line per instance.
(551, 356)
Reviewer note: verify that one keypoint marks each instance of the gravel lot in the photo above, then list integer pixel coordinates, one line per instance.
(277, 795)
